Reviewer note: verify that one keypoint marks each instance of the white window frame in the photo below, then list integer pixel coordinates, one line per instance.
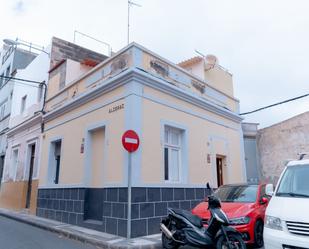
(183, 151)
(87, 151)
(14, 166)
(51, 172)
(172, 147)
(27, 161)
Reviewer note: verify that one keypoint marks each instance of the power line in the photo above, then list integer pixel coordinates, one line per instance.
(25, 84)
(279, 103)
(42, 83)
(19, 79)
(13, 78)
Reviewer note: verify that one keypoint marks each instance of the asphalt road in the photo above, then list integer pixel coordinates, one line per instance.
(16, 235)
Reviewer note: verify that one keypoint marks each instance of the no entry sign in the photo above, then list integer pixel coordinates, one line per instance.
(130, 141)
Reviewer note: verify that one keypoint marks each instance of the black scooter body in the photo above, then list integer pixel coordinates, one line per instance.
(184, 228)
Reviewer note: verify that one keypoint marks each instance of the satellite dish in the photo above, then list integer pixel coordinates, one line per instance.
(211, 59)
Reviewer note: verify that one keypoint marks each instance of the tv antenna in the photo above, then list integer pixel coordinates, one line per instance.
(130, 4)
(201, 54)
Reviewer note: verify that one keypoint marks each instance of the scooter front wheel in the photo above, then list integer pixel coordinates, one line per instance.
(168, 243)
(236, 242)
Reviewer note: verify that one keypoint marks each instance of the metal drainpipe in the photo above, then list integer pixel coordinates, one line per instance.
(44, 96)
(43, 105)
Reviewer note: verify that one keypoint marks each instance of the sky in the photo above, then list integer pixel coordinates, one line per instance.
(263, 43)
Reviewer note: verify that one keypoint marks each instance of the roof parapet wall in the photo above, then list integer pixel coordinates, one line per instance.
(136, 56)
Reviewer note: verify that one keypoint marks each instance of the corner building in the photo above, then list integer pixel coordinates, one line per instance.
(190, 133)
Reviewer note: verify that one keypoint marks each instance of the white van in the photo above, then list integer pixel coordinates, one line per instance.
(287, 215)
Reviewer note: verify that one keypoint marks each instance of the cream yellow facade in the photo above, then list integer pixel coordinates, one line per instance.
(205, 137)
(185, 124)
(73, 132)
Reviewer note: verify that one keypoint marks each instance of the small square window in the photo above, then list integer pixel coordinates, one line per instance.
(23, 104)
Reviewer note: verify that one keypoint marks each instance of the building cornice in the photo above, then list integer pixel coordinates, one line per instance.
(107, 86)
(138, 46)
(28, 123)
(160, 84)
(143, 78)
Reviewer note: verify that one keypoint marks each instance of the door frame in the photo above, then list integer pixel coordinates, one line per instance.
(220, 179)
(30, 163)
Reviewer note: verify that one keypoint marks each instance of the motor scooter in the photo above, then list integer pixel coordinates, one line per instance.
(181, 228)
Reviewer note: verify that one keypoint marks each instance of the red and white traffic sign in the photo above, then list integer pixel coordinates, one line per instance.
(130, 141)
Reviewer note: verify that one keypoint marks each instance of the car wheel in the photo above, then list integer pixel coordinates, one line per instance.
(258, 234)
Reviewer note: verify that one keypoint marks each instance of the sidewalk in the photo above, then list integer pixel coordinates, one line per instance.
(96, 238)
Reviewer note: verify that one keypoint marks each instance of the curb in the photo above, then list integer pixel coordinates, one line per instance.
(125, 244)
(68, 234)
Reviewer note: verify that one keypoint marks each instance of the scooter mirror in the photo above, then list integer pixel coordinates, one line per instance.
(208, 185)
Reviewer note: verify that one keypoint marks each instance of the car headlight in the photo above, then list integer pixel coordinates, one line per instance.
(240, 221)
(273, 222)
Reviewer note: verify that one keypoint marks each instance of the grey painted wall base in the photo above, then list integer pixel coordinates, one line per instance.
(105, 209)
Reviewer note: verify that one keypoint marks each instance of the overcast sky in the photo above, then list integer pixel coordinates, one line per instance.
(265, 44)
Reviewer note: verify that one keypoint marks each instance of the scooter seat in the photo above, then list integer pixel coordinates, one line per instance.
(195, 220)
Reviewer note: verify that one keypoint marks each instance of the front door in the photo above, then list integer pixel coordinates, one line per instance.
(31, 163)
(219, 172)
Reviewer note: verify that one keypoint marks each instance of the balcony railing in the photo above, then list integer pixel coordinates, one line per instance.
(8, 53)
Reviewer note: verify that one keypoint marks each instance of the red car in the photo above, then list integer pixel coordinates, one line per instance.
(245, 206)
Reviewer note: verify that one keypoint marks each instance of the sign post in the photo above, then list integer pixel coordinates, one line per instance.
(130, 142)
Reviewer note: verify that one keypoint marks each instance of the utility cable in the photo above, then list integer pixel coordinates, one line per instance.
(25, 80)
(42, 83)
(279, 103)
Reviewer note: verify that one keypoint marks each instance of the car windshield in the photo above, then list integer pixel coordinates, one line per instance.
(241, 193)
(294, 182)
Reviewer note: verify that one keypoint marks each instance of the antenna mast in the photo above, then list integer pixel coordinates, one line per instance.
(130, 3)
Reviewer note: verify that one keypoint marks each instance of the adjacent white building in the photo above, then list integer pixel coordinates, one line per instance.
(25, 122)
(12, 59)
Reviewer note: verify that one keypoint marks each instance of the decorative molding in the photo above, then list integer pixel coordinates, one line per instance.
(137, 56)
(88, 110)
(133, 121)
(53, 186)
(87, 180)
(32, 121)
(160, 84)
(138, 46)
(147, 79)
(184, 161)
